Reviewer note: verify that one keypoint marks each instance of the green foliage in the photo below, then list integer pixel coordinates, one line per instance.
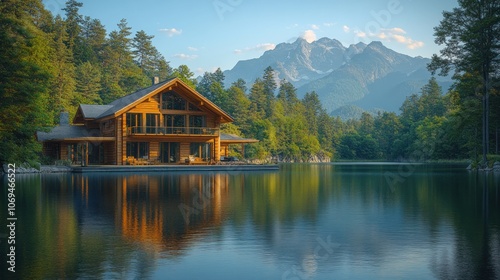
(51, 64)
(24, 83)
(469, 34)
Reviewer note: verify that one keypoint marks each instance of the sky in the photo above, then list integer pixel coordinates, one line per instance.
(210, 34)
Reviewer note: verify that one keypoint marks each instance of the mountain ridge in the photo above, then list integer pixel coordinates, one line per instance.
(362, 75)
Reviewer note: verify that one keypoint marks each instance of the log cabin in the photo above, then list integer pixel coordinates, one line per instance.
(166, 123)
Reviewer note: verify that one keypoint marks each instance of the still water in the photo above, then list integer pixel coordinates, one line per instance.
(306, 221)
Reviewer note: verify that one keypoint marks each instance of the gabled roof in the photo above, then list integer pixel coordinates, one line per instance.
(94, 111)
(121, 105)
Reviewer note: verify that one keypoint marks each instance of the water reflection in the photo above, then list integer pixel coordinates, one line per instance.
(306, 221)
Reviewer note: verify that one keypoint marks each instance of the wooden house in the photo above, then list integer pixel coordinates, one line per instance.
(167, 123)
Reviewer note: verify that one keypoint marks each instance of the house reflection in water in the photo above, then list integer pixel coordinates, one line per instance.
(164, 213)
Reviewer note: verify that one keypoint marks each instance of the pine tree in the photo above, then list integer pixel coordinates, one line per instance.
(270, 87)
(472, 45)
(88, 84)
(184, 73)
(24, 82)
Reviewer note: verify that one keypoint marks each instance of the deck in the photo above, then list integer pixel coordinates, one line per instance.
(174, 168)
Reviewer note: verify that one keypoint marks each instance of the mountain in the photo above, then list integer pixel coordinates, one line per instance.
(366, 77)
(299, 62)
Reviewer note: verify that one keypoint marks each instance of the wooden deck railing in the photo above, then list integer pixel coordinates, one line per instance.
(157, 130)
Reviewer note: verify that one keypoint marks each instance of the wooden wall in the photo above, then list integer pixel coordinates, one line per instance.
(154, 150)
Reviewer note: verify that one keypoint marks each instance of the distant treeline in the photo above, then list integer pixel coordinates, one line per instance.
(52, 64)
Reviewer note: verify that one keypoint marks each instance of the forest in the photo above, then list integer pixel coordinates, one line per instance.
(50, 64)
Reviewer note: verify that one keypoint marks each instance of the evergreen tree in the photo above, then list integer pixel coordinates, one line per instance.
(211, 85)
(270, 86)
(184, 73)
(313, 109)
(63, 71)
(91, 42)
(258, 100)
(73, 21)
(472, 45)
(147, 56)
(88, 84)
(24, 82)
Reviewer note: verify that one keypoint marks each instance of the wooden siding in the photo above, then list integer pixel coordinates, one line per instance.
(64, 151)
(154, 150)
(185, 151)
(109, 153)
(108, 128)
(217, 149)
(150, 106)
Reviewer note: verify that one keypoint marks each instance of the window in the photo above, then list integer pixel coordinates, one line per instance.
(134, 122)
(138, 149)
(201, 150)
(172, 101)
(152, 121)
(174, 123)
(169, 152)
(192, 107)
(195, 122)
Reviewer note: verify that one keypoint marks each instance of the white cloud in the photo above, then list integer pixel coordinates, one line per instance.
(309, 36)
(395, 34)
(171, 31)
(360, 34)
(259, 47)
(199, 71)
(346, 29)
(329, 24)
(185, 56)
(314, 27)
(193, 49)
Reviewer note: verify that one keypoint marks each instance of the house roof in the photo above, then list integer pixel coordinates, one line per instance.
(122, 104)
(72, 133)
(94, 111)
(235, 139)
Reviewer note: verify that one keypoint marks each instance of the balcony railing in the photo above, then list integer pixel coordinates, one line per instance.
(157, 130)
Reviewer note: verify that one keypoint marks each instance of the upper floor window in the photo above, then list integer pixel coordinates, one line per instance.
(134, 120)
(172, 101)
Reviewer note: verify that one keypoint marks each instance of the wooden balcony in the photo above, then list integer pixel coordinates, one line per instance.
(184, 131)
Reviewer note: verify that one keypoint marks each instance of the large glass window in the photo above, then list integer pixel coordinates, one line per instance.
(134, 122)
(172, 101)
(138, 149)
(152, 121)
(174, 123)
(169, 152)
(201, 150)
(192, 107)
(195, 123)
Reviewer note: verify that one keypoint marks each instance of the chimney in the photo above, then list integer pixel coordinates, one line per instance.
(64, 119)
(156, 80)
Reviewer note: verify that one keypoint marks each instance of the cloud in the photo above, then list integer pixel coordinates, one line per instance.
(346, 29)
(259, 47)
(171, 31)
(314, 27)
(329, 24)
(360, 34)
(193, 49)
(184, 56)
(395, 34)
(309, 36)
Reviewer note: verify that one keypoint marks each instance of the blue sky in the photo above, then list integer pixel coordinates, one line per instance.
(208, 34)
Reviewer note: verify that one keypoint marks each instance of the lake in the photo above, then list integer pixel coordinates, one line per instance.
(306, 221)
